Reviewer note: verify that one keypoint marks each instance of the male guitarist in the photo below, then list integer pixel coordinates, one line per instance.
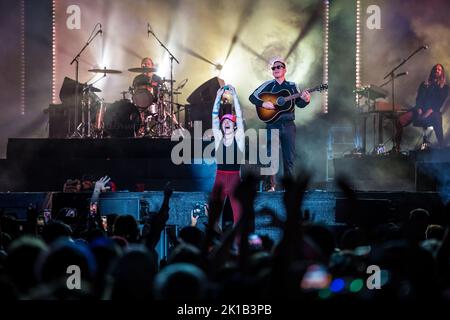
(285, 121)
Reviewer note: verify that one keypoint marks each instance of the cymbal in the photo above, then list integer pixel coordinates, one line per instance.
(104, 70)
(90, 88)
(142, 70)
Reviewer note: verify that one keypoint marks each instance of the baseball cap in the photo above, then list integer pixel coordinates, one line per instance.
(277, 59)
(228, 116)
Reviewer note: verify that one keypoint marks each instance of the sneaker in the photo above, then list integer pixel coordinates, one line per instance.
(271, 189)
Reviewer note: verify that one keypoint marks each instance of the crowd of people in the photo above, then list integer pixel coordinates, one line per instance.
(309, 263)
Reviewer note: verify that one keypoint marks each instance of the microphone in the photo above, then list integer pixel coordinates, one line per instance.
(402, 74)
(148, 29)
(182, 84)
(101, 31)
(425, 46)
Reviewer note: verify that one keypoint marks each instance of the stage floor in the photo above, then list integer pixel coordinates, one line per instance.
(40, 165)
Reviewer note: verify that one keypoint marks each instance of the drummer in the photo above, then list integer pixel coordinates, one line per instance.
(148, 80)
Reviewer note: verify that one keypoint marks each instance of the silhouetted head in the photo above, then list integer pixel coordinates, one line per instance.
(55, 230)
(181, 282)
(10, 225)
(126, 226)
(191, 235)
(22, 256)
(435, 231)
(186, 253)
(65, 258)
(131, 277)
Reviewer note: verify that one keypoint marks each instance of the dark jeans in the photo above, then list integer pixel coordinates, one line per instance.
(287, 132)
(434, 119)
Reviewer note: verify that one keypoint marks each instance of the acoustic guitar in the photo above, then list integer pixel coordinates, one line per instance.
(283, 101)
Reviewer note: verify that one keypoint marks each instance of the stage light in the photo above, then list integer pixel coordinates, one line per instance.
(337, 285)
(22, 57)
(54, 99)
(356, 285)
(326, 25)
(358, 50)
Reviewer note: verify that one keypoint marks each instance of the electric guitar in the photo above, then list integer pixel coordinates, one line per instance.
(283, 101)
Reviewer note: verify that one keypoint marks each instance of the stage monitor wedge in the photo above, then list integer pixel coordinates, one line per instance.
(206, 92)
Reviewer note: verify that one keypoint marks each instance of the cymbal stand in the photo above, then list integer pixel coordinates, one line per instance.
(76, 60)
(86, 125)
(172, 58)
(176, 119)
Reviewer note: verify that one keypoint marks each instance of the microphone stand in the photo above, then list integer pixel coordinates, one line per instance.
(391, 74)
(180, 86)
(77, 64)
(171, 56)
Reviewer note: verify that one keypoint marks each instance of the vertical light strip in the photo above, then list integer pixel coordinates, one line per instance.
(22, 57)
(326, 25)
(54, 51)
(358, 48)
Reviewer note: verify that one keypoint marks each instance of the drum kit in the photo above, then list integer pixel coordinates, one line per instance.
(144, 110)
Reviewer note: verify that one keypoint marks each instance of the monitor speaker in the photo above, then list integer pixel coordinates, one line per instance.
(206, 93)
(120, 206)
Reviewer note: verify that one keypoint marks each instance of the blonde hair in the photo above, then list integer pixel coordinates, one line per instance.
(146, 58)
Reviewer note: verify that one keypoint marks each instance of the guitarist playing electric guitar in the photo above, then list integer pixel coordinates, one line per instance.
(284, 121)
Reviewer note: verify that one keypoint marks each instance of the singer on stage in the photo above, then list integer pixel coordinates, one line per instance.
(229, 139)
(285, 123)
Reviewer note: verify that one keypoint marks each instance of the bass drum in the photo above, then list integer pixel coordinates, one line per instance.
(121, 120)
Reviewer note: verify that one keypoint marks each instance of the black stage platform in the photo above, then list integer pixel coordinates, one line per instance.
(45, 164)
(34, 165)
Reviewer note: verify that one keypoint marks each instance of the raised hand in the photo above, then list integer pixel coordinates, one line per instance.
(220, 92)
(168, 191)
(101, 183)
(194, 219)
